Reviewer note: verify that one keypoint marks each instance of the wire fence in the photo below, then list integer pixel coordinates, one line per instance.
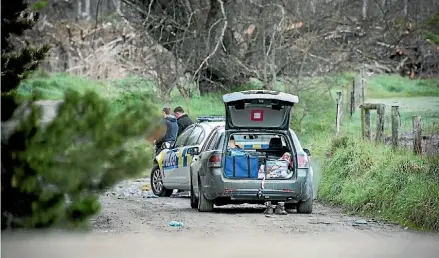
(407, 132)
(429, 134)
(422, 136)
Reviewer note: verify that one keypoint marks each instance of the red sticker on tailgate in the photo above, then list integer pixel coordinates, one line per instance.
(257, 115)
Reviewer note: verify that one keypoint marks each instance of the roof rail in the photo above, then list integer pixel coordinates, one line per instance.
(210, 118)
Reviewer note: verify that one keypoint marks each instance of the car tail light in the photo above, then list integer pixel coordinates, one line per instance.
(302, 160)
(215, 161)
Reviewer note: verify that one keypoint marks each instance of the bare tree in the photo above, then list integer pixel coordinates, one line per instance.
(222, 43)
(228, 42)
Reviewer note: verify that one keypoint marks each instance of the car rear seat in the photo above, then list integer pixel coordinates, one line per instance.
(275, 147)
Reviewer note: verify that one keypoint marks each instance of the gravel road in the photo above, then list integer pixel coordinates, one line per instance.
(134, 224)
(127, 208)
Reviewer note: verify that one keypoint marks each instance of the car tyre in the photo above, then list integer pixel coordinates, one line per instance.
(306, 206)
(194, 200)
(204, 205)
(157, 183)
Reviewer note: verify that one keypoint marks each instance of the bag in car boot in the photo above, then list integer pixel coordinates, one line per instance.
(276, 168)
(241, 166)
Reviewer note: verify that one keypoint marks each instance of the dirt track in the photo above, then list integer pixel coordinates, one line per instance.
(130, 210)
(133, 224)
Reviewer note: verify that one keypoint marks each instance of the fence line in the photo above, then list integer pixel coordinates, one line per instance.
(386, 125)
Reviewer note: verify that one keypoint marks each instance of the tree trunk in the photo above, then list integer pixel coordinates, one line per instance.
(384, 8)
(117, 5)
(313, 6)
(406, 8)
(87, 10)
(79, 13)
(364, 9)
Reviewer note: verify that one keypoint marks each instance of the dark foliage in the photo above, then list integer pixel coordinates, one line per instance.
(53, 171)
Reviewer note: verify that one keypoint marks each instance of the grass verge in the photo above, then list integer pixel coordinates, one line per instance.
(376, 181)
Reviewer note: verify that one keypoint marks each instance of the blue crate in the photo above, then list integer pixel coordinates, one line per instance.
(241, 167)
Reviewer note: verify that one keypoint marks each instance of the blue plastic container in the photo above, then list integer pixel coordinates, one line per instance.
(241, 166)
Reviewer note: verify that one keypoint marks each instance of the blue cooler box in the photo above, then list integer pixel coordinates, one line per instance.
(241, 167)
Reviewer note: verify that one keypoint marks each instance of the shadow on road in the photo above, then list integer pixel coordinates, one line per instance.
(238, 210)
(231, 210)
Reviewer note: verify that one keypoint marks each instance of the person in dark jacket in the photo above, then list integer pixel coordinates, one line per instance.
(182, 119)
(171, 128)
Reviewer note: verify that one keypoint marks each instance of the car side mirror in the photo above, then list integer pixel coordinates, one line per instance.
(307, 152)
(192, 151)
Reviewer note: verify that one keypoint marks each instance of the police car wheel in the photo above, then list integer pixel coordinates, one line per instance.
(204, 205)
(157, 183)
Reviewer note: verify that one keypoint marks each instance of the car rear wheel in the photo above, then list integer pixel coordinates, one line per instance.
(157, 183)
(194, 200)
(204, 205)
(306, 206)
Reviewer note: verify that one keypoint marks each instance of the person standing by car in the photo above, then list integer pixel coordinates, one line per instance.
(170, 130)
(182, 119)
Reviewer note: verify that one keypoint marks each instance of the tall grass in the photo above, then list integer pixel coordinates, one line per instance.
(377, 181)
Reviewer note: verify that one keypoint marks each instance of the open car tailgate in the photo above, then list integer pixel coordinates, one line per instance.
(258, 109)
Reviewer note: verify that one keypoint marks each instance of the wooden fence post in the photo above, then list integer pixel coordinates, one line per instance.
(339, 113)
(381, 108)
(395, 126)
(353, 93)
(367, 134)
(365, 123)
(352, 103)
(417, 135)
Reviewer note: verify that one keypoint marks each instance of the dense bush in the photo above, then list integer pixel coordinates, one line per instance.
(375, 180)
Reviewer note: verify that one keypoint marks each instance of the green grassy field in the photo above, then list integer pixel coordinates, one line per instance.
(392, 86)
(362, 177)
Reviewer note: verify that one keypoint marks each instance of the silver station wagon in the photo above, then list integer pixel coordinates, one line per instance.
(254, 157)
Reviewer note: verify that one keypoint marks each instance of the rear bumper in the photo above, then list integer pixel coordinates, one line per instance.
(215, 185)
(258, 195)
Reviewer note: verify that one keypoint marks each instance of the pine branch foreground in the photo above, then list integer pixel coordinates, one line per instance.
(54, 170)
